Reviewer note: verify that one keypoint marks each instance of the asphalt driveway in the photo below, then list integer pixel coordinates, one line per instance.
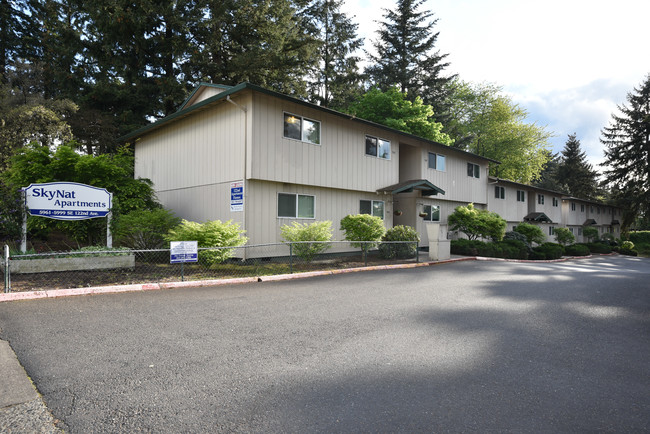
(468, 346)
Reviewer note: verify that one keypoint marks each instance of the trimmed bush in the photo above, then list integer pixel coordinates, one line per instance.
(299, 233)
(477, 223)
(564, 236)
(362, 227)
(640, 237)
(629, 245)
(210, 234)
(466, 247)
(400, 251)
(599, 248)
(145, 229)
(549, 250)
(577, 250)
(533, 233)
(629, 252)
(591, 234)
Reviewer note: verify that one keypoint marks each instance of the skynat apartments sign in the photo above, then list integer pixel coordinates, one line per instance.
(67, 201)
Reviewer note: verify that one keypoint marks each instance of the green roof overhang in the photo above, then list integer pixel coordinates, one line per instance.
(426, 187)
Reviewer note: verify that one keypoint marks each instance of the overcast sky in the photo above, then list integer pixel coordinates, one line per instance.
(567, 62)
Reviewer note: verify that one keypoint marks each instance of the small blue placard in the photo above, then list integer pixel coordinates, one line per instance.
(183, 251)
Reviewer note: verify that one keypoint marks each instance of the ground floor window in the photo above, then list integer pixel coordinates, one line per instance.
(295, 206)
(372, 207)
(551, 230)
(432, 213)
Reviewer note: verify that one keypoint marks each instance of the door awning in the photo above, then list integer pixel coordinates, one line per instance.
(537, 217)
(427, 188)
(615, 222)
(589, 222)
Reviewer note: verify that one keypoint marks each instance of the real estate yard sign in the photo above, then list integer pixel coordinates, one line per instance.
(67, 201)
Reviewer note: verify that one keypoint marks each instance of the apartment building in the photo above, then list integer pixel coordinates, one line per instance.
(264, 159)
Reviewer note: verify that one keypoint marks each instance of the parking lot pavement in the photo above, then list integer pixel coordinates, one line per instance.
(465, 346)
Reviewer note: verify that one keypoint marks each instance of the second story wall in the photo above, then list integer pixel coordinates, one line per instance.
(335, 157)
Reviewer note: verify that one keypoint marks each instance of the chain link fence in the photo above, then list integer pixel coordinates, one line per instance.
(57, 270)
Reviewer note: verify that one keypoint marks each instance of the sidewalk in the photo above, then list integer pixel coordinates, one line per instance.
(21, 408)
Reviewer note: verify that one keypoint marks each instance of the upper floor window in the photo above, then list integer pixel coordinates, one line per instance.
(540, 199)
(436, 161)
(299, 128)
(556, 202)
(377, 147)
(295, 206)
(573, 206)
(521, 196)
(372, 207)
(499, 192)
(598, 210)
(582, 208)
(473, 170)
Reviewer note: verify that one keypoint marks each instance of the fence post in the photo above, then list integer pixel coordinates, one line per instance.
(417, 252)
(5, 258)
(290, 258)
(365, 253)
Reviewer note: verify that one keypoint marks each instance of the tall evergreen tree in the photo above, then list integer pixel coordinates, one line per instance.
(627, 153)
(548, 176)
(574, 173)
(336, 81)
(407, 57)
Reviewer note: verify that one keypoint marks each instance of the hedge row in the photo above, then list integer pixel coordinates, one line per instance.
(515, 249)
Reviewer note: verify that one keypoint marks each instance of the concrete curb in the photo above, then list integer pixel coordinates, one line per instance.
(56, 293)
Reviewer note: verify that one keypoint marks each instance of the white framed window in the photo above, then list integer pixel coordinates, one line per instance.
(582, 208)
(303, 129)
(372, 207)
(551, 230)
(540, 199)
(473, 170)
(292, 205)
(436, 161)
(556, 202)
(521, 196)
(499, 192)
(377, 147)
(579, 231)
(432, 213)
(573, 206)
(571, 229)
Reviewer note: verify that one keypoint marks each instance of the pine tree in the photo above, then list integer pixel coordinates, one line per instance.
(336, 82)
(548, 176)
(574, 173)
(406, 56)
(627, 153)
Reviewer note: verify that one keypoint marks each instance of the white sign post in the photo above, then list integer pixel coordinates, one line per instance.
(66, 201)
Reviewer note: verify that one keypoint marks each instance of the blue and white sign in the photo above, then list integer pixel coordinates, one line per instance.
(67, 201)
(183, 251)
(237, 196)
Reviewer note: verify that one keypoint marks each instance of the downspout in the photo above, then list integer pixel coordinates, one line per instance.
(245, 110)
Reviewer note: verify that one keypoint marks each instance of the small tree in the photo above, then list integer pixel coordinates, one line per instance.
(534, 234)
(406, 249)
(210, 234)
(320, 232)
(591, 234)
(564, 236)
(363, 227)
(477, 223)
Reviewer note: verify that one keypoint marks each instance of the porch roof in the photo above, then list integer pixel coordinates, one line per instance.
(427, 188)
(589, 222)
(537, 217)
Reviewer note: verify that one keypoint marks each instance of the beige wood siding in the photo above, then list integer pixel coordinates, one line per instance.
(338, 162)
(508, 208)
(205, 148)
(263, 223)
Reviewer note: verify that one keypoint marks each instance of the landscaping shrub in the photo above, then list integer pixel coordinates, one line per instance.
(145, 229)
(401, 251)
(512, 235)
(629, 252)
(577, 250)
(299, 233)
(533, 233)
(210, 234)
(537, 255)
(599, 247)
(514, 249)
(591, 234)
(639, 237)
(466, 247)
(362, 227)
(549, 251)
(629, 245)
(564, 236)
(477, 223)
